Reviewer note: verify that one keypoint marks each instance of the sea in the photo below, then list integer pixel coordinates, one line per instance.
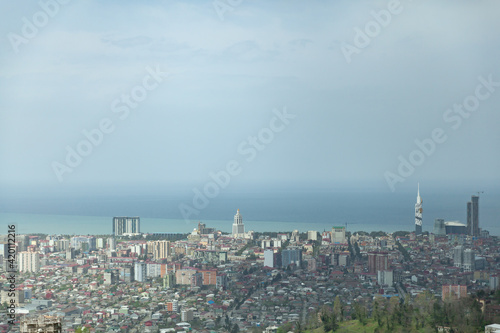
(270, 211)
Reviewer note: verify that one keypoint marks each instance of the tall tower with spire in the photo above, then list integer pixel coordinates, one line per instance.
(238, 226)
(418, 213)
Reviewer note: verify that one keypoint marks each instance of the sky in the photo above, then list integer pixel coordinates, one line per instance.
(165, 95)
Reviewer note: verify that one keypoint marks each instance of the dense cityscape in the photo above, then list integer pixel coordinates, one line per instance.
(226, 166)
(210, 281)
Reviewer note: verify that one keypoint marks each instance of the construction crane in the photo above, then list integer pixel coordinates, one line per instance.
(479, 192)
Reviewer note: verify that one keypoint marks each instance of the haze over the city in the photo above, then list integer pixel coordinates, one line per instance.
(334, 107)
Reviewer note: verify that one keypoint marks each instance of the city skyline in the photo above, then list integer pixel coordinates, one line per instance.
(135, 136)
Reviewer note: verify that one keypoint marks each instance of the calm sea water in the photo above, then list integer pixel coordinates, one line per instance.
(261, 212)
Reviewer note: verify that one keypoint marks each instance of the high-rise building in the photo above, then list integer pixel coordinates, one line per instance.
(494, 281)
(343, 259)
(221, 282)
(100, 243)
(172, 306)
(127, 273)
(29, 261)
(62, 244)
(378, 261)
(110, 277)
(197, 280)
(169, 280)
(312, 235)
(238, 226)
(469, 218)
(338, 235)
(385, 278)
(458, 256)
(159, 249)
(269, 258)
(209, 276)
(418, 213)
(272, 259)
(453, 292)
(140, 271)
(439, 227)
(70, 253)
(469, 260)
(473, 216)
(126, 225)
(187, 315)
(112, 244)
(291, 255)
(84, 243)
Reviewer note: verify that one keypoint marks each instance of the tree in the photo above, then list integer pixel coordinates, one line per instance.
(349, 247)
(338, 309)
(358, 251)
(235, 328)
(285, 328)
(328, 319)
(360, 313)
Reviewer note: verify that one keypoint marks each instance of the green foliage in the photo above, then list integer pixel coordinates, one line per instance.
(328, 320)
(403, 251)
(400, 234)
(285, 328)
(497, 296)
(350, 248)
(240, 251)
(424, 313)
(378, 234)
(360, 313)
(284, 245)
(358, 251)
(338, 309)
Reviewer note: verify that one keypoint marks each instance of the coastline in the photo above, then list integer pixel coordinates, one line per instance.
(101, 225)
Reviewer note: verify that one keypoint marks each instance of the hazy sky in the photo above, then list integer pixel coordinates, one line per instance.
(358, 92)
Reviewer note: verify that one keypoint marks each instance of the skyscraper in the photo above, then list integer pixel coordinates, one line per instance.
(338, 235)
(458, 256)
(473, 216)
(469, 218)
(469, 260)
(439, 227)
(269, 258)
(418, 213)
(159, 249)
(238, 226)
(378, 261)
(126, 225)
(291, 255)
(140, 271)
(29, 261)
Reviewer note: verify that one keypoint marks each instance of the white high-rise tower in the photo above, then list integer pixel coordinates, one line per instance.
(238, 226)
(418, 213)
